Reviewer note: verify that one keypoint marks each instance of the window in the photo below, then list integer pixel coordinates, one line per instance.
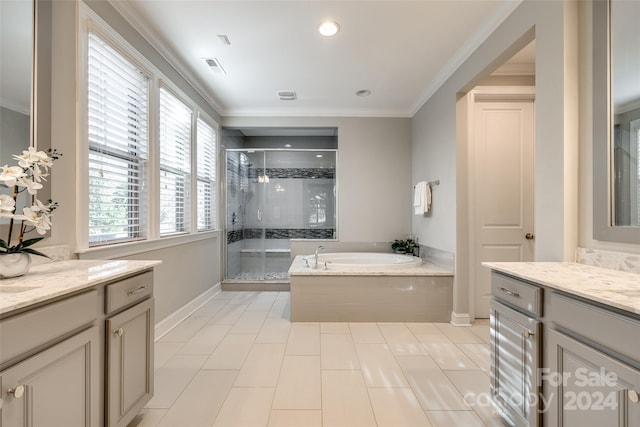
(118, 140)
(206, 172)
(175, 164)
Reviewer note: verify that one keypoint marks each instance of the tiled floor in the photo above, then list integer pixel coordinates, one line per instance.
(238, 361)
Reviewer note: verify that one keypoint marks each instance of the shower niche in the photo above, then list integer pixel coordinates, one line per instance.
(280, 185)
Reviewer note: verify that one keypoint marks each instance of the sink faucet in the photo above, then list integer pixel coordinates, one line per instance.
(320, 248)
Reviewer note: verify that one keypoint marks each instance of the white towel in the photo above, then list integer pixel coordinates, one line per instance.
(422, 198)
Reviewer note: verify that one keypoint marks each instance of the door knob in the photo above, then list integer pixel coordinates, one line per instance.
(528, 334)
(16, 392)
(119, 332)
(633, 396)
(529, 236)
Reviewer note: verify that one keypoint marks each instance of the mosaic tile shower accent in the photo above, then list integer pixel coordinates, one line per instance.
(283, 173)
(280, 233)
(608, 259)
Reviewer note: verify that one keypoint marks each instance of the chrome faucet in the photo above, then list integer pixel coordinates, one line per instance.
(317, 250)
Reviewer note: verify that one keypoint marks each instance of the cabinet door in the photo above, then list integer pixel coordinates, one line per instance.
(58, 387)
(588, 388)
(129, 370)
(515, 359)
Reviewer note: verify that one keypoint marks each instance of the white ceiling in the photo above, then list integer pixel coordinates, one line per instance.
(400, 50)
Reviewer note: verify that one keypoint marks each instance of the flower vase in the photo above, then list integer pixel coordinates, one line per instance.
(14, 265)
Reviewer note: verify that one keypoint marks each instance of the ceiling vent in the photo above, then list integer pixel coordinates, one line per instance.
(287, 95)
(224, 39)
(214, 64)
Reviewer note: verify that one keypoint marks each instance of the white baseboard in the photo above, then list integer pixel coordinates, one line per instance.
(172, 320)
(460, 319)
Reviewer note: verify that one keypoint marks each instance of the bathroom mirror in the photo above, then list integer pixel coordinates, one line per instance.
(616, 107)
(25, 85)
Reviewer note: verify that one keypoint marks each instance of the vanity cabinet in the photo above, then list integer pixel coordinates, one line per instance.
(81, 358)
(591, 388)
(56, 387)
(515, 349)
(583, 369)
(129, 348)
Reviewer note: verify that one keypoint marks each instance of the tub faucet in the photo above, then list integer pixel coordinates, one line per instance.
(317, 250)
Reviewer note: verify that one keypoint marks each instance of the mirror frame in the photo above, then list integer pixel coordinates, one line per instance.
(603, 228)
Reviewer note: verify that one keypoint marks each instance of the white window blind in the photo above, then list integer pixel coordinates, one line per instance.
(175, 164)
(118, 139)
(206, 173)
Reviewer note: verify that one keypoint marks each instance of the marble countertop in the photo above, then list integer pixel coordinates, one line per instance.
(611, 287)
(299, 268)
(54, 279)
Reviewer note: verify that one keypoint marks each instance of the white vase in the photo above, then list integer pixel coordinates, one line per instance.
(14, 265)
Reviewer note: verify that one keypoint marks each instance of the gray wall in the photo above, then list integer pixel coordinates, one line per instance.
(15, 135)
(439, 151)
(374, 177)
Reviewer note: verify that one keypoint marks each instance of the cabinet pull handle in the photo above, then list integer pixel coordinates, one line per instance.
(137, 290)
(16, 392)
(118, 332)
(528, 334)
(633, 396)
(510, 293)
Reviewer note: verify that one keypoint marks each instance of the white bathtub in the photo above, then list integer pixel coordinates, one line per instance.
(364, 261)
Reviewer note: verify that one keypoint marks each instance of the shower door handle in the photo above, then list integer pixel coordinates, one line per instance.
(259, 214)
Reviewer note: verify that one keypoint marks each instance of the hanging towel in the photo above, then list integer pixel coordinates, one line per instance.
(422, 198)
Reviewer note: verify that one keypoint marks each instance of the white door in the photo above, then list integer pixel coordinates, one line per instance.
(501, 190)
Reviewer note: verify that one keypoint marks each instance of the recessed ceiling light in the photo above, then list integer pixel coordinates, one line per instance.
(287, 95)
(287, 145)
(318, 155)
(363, 92)
(224, 39)
(329, 28)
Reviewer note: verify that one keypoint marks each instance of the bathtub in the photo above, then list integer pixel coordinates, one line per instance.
(369, 287)
(363, 261)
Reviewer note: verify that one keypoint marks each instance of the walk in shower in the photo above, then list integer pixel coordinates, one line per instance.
(273, 196)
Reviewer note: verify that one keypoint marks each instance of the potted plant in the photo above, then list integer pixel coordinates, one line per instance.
(407, 246)
(32, 169)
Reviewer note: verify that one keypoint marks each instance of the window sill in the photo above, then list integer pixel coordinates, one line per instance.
(139, 247)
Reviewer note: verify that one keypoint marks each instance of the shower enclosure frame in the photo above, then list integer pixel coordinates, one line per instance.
(225, 206)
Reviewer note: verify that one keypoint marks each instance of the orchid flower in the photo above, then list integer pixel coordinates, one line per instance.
(10, 174)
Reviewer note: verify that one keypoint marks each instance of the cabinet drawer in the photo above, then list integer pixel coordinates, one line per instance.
(517, 293)
(128, 291)
(597, 324)
(24, 333)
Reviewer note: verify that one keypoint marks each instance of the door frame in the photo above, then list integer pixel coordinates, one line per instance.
(483, 93)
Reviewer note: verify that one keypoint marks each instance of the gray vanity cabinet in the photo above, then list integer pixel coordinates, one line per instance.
(129, 348)
(591, 388)
(56, 387)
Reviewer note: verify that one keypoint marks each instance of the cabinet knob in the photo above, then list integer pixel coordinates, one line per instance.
(528, 334)
(119, 332)
(16, 392)
(633, 396)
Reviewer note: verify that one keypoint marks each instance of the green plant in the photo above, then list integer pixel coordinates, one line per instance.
(406, 246)
(33, 168)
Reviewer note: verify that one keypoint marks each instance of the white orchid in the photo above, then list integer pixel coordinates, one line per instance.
(33, 167)
(31, 186)
(36, 217)
(10, 174)
(7, 205)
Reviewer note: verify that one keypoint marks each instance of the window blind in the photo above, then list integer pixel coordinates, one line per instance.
(118, 140)
(206, 174)
(175, 164)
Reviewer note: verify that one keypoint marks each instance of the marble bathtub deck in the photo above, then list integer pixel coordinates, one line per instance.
(299, 268)
(48, 281)
(614, 288)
